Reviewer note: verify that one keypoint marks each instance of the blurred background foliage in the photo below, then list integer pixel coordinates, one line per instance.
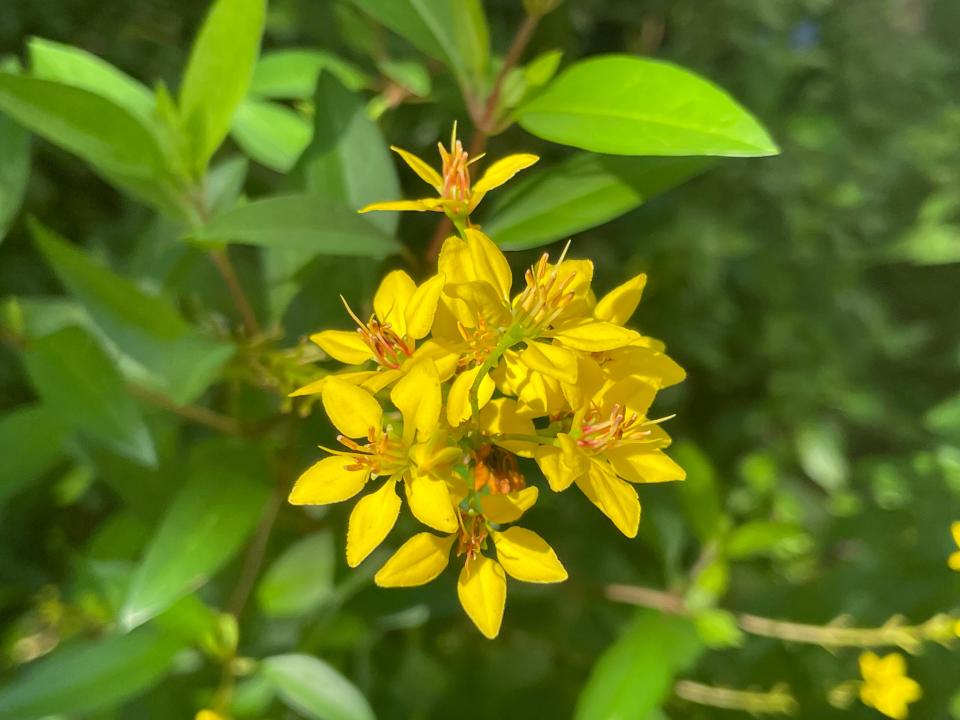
(811, 297)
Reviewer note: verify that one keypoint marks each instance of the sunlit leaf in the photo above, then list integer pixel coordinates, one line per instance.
(582, 192)
(206, 524)
(311, 687)
(270, 133)
(628, 105)
(634, 675)
(89, 675)
(291, 74)
(219, 72)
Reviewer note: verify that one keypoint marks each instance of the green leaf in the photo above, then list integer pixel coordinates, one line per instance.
(14, 170)
(178, 359)
(582, 192)
(944, 417)
(72, 66)
(89, 676)
(634, 675)
(699, 494)
(31, 442)
(219, 73)
(300, 579)
(206, 524)
(454, 31)
(270, 133)
(78, 381)
(637, 106)
(409, 74)
(762, 538)
(311, 687)
(103, 133)
(292, 74)
(309, 222)
(820, 447)
(120, 146)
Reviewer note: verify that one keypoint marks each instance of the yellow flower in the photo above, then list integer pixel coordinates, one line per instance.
(410, 454)
(209, 715)
(482, 585)
(886, 686)
(609, 445)
(457, 197)
(954, 560)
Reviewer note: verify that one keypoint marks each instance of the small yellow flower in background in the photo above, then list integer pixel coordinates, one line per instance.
(209, 715)
(452, 380)
(954, 560)
(457, 197)
(886, 686)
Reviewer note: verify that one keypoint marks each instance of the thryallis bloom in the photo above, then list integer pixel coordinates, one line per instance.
(886, 686)
(482, 586)
(408, 454)
(456, 195)
(954, 560)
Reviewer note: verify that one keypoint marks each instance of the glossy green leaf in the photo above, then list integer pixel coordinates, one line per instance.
(310, 222)
(291, 74)
(582, 192)
(89, 675)
(219, 72)
(634, 675)
(73, 66)
(14, 170)
(628, 105)
(78, 381)
(31, 442)
(206, 524)
(312, 688)
(103, 133)
(761, 538)
(270, 133)
(301, 577)
(454, 31)
(178, 359)
(699, 494)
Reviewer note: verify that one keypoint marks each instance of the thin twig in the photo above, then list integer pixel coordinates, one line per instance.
(222, 261)
(256, 551)
(196, 413)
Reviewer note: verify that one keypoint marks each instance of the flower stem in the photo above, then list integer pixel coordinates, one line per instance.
(778, 701)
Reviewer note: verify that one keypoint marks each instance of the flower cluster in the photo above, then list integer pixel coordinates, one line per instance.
(457, 378)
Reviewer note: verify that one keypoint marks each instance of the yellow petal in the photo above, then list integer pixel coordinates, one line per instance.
(344, 345)
(354, 378)
(429, 501)
(500, 417)
(637, 463)
(209, 715)
(422, 307)
(444, 358)
(955, 531)
(328, 481)
(352, 410)
(503, 509)
(595, 336)
(391, 298)
(372, 519)
(454, 261)
(561, 464)
(458, 401)
(421, 205)
(620, 303)
(489, 264)
(421, 168)
(418, 561)
(527, 557)
(417, 397)
(616, 498)
(953, 562)
(551, 360)
(482, 589)
(479, 299)
(380, 380)
(502, 170)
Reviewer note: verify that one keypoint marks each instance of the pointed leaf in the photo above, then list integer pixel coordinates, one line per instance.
(309, 686)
